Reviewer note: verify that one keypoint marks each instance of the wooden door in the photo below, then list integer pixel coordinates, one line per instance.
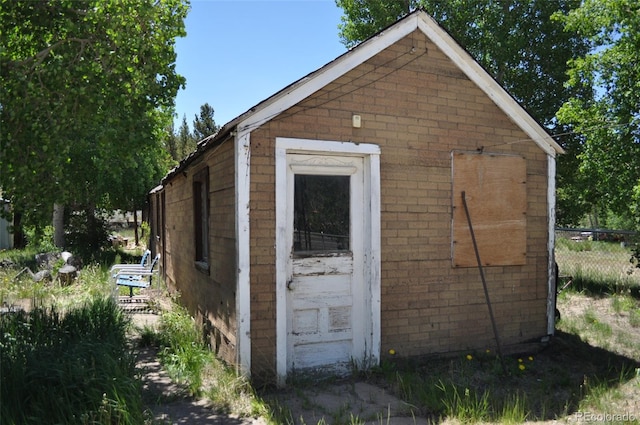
(325, 295)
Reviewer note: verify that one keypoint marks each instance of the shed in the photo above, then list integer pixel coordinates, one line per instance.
(325, 226)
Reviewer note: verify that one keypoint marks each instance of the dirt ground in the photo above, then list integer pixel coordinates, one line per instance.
(581, 360)
(577, 305)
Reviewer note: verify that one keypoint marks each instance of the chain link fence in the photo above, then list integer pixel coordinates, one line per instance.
(597, 256)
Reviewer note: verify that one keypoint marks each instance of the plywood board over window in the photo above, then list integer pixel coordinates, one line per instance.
(496, 195)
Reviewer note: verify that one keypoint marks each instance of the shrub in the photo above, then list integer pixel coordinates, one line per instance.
(87, 235)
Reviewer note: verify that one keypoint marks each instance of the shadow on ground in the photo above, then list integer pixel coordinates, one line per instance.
(168, 403)
(548, 381)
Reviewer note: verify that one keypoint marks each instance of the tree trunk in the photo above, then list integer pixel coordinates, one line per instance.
(58, 225)
(92, 229)
(135, 226)
(18, 235)
(67, 274)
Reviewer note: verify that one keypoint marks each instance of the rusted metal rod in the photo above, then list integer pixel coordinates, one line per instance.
(484, 281)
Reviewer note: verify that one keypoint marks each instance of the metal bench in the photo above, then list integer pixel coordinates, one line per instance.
(137, 278)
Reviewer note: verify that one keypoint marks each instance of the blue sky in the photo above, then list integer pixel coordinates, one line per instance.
(239, 52)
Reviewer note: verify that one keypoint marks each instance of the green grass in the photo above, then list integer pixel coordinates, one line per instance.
(598, 267)
(464, 404)
(514, 410)
(627, 305)
(190, 362)
(183, 352)
(623, 304)
(68, 368)
(66, 358)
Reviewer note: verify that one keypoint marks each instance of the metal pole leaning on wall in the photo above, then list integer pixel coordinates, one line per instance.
(484, 281)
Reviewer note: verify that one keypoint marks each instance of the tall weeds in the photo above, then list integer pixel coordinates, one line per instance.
(183, 351)
(71, 368)
(190, 362)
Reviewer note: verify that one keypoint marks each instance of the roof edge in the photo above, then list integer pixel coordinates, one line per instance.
(476, 73)
(290, 95)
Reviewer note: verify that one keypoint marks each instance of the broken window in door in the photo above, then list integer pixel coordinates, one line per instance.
(321, 213)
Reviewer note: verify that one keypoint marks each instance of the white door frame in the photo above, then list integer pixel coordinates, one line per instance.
(371, 155)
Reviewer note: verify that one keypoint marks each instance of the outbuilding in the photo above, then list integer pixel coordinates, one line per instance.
(327, 225)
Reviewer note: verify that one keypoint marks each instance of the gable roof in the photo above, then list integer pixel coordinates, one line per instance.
(304, 87)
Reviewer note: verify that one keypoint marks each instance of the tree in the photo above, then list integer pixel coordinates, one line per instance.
(607, 117)
(186, 141)
(171, 142)
(204, 125)
(84, 87)
(518, 43)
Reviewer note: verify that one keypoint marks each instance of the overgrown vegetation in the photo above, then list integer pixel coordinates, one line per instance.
(68, 368)
(65, 358)
(92, 283)
(182, 350)
(190, 362)
(87, 234)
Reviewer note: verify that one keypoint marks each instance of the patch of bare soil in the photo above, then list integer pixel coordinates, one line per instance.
(612, 331)
(625, 337)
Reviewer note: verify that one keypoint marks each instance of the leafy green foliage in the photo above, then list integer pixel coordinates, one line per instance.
(40, 238)
(607, 118)
(363, 18)
(88, 234)
(635, 255)
(68, 368)
(86, 89)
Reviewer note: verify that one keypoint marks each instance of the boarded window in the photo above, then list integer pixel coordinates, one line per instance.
(496, 196)
(201, 217)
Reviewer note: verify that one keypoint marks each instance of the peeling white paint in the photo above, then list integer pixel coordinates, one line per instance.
(328, 305)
